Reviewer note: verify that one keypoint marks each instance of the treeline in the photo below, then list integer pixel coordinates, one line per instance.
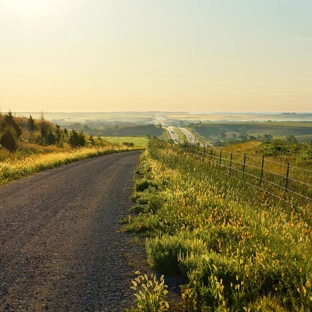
(17, 130)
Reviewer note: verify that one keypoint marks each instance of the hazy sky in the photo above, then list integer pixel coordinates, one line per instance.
(137, 55)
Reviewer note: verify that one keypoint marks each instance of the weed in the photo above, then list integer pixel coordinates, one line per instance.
(150, 294)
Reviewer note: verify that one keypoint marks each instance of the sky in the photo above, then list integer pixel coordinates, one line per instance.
(156, 55)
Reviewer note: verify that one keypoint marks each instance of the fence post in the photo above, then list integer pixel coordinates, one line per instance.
(231, 159)
(220, 157)
(262, 168)
(287, 178)
(244, 166)
(211, 154)
(204, 151)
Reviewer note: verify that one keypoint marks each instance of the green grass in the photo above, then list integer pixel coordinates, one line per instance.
(137, 141)
(237, 249)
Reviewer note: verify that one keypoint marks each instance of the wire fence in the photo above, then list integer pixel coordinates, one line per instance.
(280, 180)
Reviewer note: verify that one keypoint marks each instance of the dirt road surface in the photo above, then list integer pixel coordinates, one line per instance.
(60, 246)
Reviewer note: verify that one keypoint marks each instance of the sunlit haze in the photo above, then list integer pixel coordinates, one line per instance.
(168, 55)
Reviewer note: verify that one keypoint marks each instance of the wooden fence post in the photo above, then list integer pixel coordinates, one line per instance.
(220, 157)
(231, 160)
(244, 166)
(262, 168)
(287, 178)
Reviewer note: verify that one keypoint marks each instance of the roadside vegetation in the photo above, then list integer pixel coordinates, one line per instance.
(237, 249)
(28, 146)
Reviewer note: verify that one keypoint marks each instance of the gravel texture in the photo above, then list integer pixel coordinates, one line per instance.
(61, 246)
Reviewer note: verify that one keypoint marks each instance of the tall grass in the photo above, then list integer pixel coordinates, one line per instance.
(23, 164)
(238, 249)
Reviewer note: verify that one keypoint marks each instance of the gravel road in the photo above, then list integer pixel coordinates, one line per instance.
(60, 245)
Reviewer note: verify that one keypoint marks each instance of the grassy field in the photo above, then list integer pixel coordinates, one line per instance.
(237, 249)
(134, 130)
(137, 141)
(210, 131)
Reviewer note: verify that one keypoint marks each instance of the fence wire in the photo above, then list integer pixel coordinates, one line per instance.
(276, 179)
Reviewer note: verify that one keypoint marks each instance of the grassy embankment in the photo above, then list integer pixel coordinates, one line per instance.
(237, 249)
(34, 153)
(18, 166)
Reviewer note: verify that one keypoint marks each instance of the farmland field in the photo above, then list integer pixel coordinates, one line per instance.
(137, 141)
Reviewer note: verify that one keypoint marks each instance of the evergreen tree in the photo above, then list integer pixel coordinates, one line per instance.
(31, 124)
(9, 139)
(50, 138)
(9, 121)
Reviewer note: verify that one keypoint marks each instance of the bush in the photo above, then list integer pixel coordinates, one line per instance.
(144, 184)
(77, 139)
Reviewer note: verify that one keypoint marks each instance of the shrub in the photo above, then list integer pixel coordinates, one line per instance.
(144, 184)
(77, 139)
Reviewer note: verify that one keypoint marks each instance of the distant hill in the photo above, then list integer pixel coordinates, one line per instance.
(302, 130)
(134, 130)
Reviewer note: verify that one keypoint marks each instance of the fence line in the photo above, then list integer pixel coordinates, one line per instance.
(277, 179)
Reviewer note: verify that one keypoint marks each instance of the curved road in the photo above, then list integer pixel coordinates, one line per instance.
(188, 135)
(60, 250)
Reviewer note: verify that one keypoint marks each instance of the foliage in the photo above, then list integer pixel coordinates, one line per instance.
(9, 121)
(77, 138)
(8, 139)
(288, 147)
(238, 250)
(31, 126)
(150, 294)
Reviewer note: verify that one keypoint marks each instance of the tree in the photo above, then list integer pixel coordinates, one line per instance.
(9, 139)
(77, 138)
(50, 138)
(267, 137)
(222, 135)
(43, 130)
(9, 121)
(58, 134)
(242, 130)
(243, 137)
(31, 124)
(291, 139)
